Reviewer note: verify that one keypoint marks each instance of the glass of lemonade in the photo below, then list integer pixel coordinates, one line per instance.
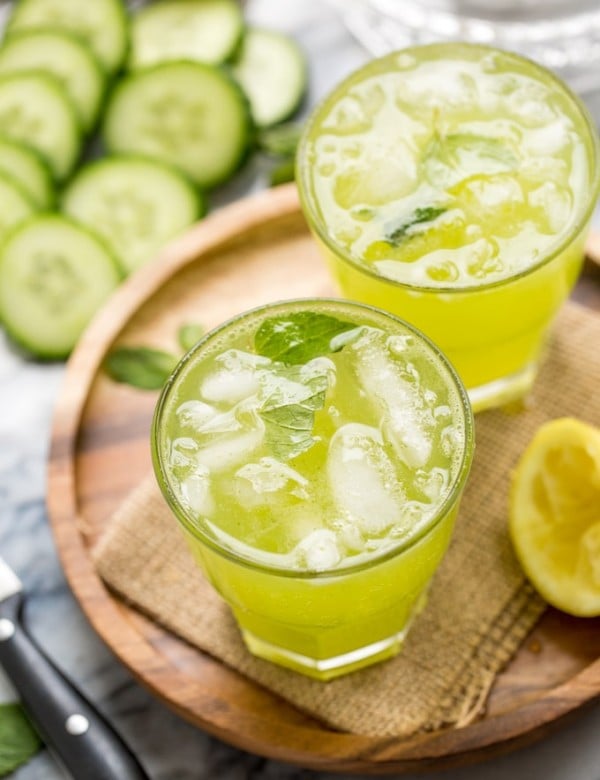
(453, 185)
(314, 453)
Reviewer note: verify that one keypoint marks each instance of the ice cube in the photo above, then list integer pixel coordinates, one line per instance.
(408, 437)
(228, 438)
(195, 413)
(317, 367)
(270, 476)
(236, 378)
(450, 440)
(196, 493)
(362, 479)
(349, 534)
(318, 551)
(548, 140)
(555, 205)
(404, 421)
(433, 484)
(229, 386)
(412, 514)
(182, 456)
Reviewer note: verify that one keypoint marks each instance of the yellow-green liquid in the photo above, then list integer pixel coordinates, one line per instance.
(453, 185)
(324, 551)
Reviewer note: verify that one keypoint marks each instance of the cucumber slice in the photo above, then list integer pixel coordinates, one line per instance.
(101, 24)
(271, 69)
(184, 113)
(202, 30)
(28, 169)
(135, 204)
(15, 205)
(64, 56)
(54, 275)
(35, 110)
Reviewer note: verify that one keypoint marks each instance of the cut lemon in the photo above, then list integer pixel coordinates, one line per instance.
(555, 515)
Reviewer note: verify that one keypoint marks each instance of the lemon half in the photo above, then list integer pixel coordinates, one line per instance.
(555, 515)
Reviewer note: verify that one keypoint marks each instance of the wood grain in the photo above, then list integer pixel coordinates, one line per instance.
(255, 251)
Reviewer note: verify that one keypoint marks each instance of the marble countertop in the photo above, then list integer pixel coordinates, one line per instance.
(169, 748)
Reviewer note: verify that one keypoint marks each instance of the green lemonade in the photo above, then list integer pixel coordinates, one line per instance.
(453, 185)
(314, 453)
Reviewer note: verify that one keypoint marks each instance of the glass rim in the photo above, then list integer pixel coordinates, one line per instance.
(307, 201)
(204, 538)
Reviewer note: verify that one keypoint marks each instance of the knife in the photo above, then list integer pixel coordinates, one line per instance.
(76, 733)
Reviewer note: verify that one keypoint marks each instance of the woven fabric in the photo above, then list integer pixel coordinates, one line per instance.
(480, 607)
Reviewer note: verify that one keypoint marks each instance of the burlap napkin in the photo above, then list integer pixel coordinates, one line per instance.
(480, 607)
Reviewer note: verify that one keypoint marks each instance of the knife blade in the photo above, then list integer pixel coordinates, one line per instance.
(78, 735)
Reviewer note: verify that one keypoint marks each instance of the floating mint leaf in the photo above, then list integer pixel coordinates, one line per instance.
(418, 217)
(300, 337)
(18, 740)
(189, 335)
(283, 173)
(141, 367)
(289, 409)
(281, 140)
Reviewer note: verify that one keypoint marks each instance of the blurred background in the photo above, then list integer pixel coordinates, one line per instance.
(336, 36)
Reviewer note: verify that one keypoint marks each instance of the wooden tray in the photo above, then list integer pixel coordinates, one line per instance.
(255, 251)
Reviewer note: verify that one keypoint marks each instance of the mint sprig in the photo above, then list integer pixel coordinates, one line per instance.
(301, 336)
(142, 367)
(18, 740)
(419, 216)
(290, 419)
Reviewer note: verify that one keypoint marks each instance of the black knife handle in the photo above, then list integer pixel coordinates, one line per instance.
(81, 738)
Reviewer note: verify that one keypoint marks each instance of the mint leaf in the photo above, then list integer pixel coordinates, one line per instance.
(18, 740)
(141, 367)
(418, 217)
(189, 335)
(281, 140)
(289, 409)
(299, 337)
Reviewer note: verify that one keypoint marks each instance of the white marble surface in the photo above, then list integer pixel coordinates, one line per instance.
(169, 748)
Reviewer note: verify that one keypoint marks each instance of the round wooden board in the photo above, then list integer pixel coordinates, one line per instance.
(252, 252)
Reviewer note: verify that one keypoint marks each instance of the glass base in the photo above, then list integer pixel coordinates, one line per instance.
(327, 668)
(503, 391)
(334, 666)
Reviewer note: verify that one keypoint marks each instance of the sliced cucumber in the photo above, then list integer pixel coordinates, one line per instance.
(101, 24)
(272, 71)
(28, 169)
(54, 275)
(35, 110)
(134, 203)
(184, 113)
(203, 30)
(64, 56)
(15, 205)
